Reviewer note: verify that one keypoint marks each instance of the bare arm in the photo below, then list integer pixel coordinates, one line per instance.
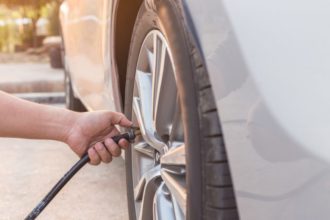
(20, 118)
(24, 119)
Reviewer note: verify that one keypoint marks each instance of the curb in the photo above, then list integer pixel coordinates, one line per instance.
(43, 97)
(34, 86)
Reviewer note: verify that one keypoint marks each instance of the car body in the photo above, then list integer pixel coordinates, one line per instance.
(267, 63)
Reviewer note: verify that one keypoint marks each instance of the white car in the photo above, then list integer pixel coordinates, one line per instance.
(232, 98)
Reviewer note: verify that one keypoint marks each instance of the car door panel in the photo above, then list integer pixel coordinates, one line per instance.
(86, 44)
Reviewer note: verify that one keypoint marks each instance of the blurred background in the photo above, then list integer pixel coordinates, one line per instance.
(31, 68)
(30, 48)
(24, 24)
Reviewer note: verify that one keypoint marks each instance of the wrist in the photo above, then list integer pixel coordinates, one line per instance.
(69, 124)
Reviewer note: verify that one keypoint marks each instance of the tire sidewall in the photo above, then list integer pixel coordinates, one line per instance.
(71, 102)
(55, 56)
(166, 16)
(68, 91)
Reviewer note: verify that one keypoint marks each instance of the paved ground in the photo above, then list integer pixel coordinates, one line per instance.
(30, 77)
(24, 57)
(29, 168)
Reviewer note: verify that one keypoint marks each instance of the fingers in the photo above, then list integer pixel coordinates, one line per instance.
(123, 143)
(112, 147)
(99, 153)
(93, 156)
(120, 119)
(103, 152)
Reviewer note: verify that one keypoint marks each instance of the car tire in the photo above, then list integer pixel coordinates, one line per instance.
(209, 187)
(55, 57)
(71, 101)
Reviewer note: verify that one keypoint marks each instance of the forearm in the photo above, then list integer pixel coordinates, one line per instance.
(20, 118)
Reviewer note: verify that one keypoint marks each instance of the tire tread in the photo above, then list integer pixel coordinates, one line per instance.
(219, 201)
(221, 214)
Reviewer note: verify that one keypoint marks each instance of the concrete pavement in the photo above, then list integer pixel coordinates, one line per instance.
(30, 77)
(29, 168)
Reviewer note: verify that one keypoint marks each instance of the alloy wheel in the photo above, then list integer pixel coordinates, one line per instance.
(158, 155)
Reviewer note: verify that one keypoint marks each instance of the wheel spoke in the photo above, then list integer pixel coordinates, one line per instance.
(175, 156)
(142, 108)
(145, 149)
(178, 212)
(143, 82)
(146, 190)
(176, 131)
(151, 60)
(164, 89)
(146, 132)
(146, 179)
(160, 54)
(176, 186)
(163, 207)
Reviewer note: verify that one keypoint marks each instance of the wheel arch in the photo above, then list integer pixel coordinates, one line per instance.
(125, 13)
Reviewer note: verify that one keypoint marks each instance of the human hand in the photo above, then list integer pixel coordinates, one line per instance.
(94, 130)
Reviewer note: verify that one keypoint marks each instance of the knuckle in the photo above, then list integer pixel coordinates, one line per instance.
(93, 156)
(115, 150)
(99, 146)
(113, 147)
(118, 153)
(105, 156)
(93, 160)
(91, 152)
(108, 160)
(108, 141)
(119, 117)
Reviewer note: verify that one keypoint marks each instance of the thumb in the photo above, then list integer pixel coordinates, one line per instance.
(120, 119)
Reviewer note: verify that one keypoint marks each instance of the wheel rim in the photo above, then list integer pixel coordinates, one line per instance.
(158, 155)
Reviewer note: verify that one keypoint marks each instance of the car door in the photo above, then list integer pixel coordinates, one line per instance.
(86, 44)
